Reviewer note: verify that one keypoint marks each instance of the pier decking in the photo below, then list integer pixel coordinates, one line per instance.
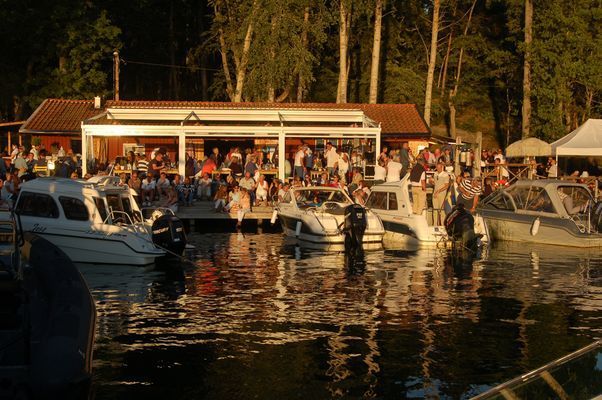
(204, 210)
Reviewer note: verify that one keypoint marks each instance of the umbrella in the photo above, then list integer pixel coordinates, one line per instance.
(529, 147)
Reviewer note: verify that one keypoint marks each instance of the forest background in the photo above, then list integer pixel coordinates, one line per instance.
(508, 68)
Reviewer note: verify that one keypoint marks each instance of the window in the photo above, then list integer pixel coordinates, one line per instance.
(392, 201)
(102, 209)
(37, 205)
(501, 202)
(74, 208)
(377, 200)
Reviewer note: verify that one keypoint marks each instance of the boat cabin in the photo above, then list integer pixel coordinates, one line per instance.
(551, 198)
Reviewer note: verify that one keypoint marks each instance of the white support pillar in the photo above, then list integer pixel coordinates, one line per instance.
(281, 155)
(84, 151)
(182, 153)
(377, 148)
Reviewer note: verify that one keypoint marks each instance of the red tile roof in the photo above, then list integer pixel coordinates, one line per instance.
(57, 115)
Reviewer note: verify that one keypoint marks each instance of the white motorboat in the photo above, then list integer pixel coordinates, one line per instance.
(326, 215)
(391, 202)
(544, 211)
(93, 221)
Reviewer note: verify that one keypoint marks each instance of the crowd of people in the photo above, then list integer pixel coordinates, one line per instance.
(237, 181)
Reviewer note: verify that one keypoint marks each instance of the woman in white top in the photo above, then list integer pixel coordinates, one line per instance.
(261, 192)
(343, 165)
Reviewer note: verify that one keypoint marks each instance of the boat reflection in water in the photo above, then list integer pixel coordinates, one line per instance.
(259, 317)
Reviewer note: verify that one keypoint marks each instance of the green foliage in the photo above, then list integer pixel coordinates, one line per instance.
(63, 48)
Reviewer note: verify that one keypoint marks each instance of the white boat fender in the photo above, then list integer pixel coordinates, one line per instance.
(298, 228)
(535, 227)
(274, 216)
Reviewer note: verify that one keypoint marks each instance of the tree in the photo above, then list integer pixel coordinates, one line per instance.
(345, 10)
(81, 70)
(378, 15)
(432, 60)
(526, 114)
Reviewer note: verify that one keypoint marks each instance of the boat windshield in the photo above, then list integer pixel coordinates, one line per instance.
(317, 197)
(119, 204)
(531, 198)
(574, 198)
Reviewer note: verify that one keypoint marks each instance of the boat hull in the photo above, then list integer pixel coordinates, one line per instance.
(371, 240)
(102, 250)
(551, 231)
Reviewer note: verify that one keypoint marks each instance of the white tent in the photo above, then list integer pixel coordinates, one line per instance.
(583, 141)
(529, 147)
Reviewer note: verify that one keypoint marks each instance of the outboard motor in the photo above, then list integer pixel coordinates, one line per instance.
(356, 222)
(168, 234)
(459, 225)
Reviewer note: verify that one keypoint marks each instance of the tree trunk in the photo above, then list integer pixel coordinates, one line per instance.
(526, 112)
(446, 63)
(452, 116)
(344, 28)
(454, 91)
(241, 70)
(304, 43)
(378, 17)
(432, 62)
(224, 54)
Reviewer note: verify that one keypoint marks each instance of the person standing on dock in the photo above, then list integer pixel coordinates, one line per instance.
(418, 183)
(332, 157)
(441, 181)
(394, 169)
(300, 162)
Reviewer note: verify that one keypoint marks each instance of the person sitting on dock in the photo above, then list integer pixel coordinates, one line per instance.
(171, 200)
(163, 185)
(261, 192)
(204, 187)
(275, 186)
(148, 190)
(135, 183)
(244, 206)
(185, 192)
(220, 198)
(234, 202)
(283, 191)
(247, 182)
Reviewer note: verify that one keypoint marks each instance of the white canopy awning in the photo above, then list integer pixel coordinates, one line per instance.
(583, 141)
(529, 147)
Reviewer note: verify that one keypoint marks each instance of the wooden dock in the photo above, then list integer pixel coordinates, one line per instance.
(201, 210)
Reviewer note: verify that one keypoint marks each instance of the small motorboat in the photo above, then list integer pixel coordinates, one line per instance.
(328, 216)
(544, 211)
(391, 202)
(94, 221)
(47, 320)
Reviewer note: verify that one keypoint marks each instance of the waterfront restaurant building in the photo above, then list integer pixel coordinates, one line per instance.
(105, 131)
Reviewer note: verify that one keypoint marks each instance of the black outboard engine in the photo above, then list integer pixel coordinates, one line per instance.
(168, 234)
(356, 222)
(459, 225)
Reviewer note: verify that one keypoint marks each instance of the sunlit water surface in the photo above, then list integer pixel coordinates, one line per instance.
(255, 316)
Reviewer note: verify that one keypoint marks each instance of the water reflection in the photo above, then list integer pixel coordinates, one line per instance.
(257, 316)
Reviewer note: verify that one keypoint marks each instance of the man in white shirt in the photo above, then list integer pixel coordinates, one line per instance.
(394, 170)
(148, 190)
(441, 182)
(380, 172)
(553, 170)
(300, 162)
(332, 157)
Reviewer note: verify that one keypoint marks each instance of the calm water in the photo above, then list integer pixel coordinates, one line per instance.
(257, 317)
